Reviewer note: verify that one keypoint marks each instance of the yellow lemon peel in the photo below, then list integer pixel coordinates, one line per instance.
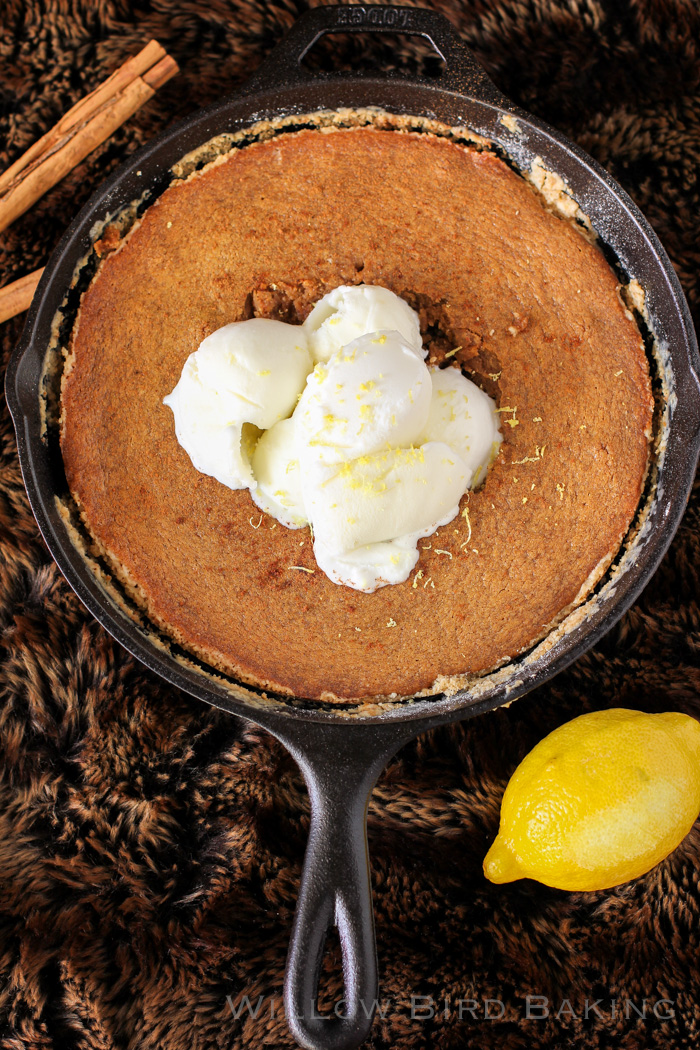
(600, 801)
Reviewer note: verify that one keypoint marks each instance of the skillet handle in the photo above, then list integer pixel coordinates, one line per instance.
(340, 764)
(462, 73)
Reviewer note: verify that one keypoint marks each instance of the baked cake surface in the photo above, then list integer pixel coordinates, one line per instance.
(536, 312)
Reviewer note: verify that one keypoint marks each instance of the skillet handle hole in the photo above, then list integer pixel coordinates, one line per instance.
(331, 985)
(374, 53)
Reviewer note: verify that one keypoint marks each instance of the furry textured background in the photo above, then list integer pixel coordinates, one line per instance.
(150, 848)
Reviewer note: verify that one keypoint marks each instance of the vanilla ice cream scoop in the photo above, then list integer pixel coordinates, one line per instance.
(253, 371)
(464, 417)
(394, 493)
(250, 372)
(276, 468)
(373, 392)
(372, 483)
(350, 311)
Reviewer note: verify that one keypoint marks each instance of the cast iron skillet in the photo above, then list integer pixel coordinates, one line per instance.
(342, 753)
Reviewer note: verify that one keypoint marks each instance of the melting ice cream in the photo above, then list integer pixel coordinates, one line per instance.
(370, 447)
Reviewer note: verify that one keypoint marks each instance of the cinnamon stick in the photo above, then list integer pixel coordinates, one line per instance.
(16, 297)
(82, 129)
(92, 120)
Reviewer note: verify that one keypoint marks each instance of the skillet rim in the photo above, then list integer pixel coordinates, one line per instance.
(273, 102)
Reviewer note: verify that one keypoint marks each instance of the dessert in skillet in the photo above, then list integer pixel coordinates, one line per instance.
(508, 294)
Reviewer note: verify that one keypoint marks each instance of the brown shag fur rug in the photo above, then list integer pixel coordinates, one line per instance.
(150, 847)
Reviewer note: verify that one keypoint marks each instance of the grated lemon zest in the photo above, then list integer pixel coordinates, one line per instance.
(539, 453)
(465, 515)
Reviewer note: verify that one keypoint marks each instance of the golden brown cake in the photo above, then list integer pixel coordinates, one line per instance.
(536, 311)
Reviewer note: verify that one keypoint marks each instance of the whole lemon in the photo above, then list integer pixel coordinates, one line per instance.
(599, 801)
